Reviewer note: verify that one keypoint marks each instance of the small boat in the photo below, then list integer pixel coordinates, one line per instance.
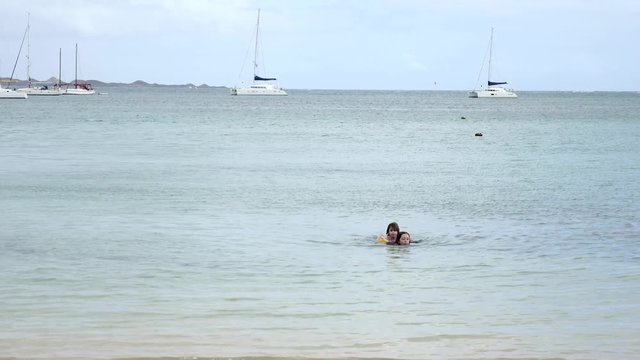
(494, 88)
(261, 85)
(79, 88)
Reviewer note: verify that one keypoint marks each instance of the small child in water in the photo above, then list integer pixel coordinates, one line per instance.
(392, 232)
(403, 238)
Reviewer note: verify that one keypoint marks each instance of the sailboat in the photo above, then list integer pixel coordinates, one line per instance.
(494, 88)
(11, 93)
(78, 87)
(32, 89)
(59, 84)
(261, 85)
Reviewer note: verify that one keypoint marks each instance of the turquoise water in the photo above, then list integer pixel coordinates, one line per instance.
(170, 223)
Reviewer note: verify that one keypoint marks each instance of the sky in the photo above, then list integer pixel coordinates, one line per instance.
(581, 45)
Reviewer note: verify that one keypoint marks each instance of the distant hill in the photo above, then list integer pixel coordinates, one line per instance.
(97, 83)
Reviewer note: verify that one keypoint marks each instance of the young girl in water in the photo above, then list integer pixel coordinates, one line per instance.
(403, 238)
(392, 232)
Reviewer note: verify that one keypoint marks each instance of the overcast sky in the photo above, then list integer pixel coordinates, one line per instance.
(327, 44)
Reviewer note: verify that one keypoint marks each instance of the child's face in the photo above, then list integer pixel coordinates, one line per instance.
(393, 233)
(405, 239)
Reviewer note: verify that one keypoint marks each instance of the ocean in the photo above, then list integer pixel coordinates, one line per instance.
(174, 223)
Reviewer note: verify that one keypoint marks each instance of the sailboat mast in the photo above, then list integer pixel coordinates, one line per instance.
(490, 51)
(18, 57)
(75, 85)
(28, 49)
(59, 68)
(255, 51)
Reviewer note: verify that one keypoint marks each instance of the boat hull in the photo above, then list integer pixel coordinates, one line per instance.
(11, 94)
(493, 92)
(40, 92)
(79, 91)
(259, 90)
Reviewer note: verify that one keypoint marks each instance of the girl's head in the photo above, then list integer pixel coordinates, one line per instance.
(392, 231)
(404, 238)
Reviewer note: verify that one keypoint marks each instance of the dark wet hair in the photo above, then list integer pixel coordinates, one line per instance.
(400, 235)
(393, 226)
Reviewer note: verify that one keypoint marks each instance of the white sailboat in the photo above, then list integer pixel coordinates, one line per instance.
(78, 87)
(32, 88)
(494, 88)
(59, 83)
(11, 94)
(261, 85)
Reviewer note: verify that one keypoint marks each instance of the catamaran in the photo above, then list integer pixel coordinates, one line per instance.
(261, 85)
(494, 88)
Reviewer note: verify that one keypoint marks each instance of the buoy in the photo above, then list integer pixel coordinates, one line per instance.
(478, 134)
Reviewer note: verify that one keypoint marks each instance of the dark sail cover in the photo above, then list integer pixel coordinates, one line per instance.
(491, 83)
(258, 78)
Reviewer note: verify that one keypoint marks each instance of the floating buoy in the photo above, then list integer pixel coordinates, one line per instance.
(478, 134)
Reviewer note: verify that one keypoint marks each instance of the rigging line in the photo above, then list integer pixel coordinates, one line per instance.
(261, 62)
(482, 67)
(18, 57)
(261, 57)
(250, 45)
(255, 53)
(244, 62)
